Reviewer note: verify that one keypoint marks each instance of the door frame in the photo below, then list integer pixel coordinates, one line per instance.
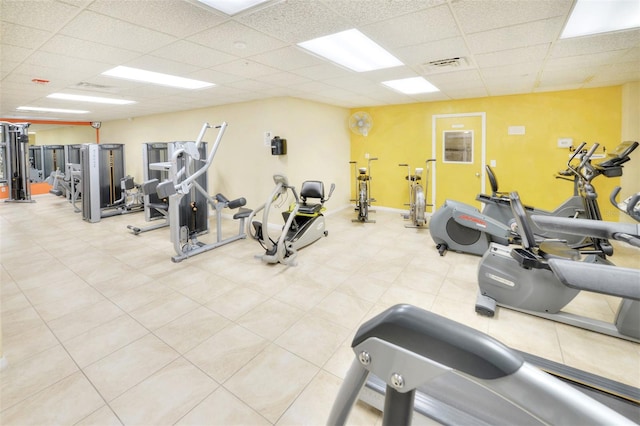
(483, 154)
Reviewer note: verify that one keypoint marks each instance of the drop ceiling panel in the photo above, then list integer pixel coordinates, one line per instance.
(162, 65)
(523, 35)
(466, 78)
(6, 67)
(88, 50)
(499, 87)
(215, 76)
(596, 44)
(361, 13)
(436, 23)
(13, 54)
(284, 79)
(574, 62)
(505, 45)
(531, 54)
(250, 85)
(323, 71)
(174, 17)
(49, 16)
(505, 72)
(16, 35)
(290, 20)
(477, 16)
(287, 59)
(225, 37)
(246, 68)
(113, 32)
(193, 54)
(467, 93)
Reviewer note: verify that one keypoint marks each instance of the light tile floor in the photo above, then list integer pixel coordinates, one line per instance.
(101, 328)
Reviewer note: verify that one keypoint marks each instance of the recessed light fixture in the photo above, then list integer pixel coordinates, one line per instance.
(152, 77)
(231, 7)
(353, 50)
(95, 99)
(602, 16)
(411, 86)
(60, 110)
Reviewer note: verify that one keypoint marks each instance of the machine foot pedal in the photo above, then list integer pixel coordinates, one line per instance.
(485, 306)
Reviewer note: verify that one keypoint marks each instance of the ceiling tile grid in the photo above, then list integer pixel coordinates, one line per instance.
(504, 47)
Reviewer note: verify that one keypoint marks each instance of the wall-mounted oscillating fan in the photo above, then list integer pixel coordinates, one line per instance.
(360, 123)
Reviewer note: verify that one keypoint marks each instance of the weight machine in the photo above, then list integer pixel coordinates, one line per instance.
(188, 197)
(155, 155)
(45, 160)
(14, 161)
(106, 191)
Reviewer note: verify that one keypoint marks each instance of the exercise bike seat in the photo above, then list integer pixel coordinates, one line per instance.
(311, 189)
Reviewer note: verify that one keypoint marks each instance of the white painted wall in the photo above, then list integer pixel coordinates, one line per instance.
(630, 181)
(317, 144)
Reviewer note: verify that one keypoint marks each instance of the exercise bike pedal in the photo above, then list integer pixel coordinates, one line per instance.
(485, 306)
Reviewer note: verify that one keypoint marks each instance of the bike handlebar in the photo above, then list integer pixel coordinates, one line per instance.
(577, 151)
(588, 155)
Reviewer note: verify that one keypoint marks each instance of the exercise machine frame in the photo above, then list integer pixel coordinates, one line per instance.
(455, 374)
(541, 279)
(363, 191)
(417, 196)
(185, 170)
(14, 161)
(463, 228)
(304, 222)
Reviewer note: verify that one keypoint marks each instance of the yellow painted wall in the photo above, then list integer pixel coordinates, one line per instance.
(526, 163)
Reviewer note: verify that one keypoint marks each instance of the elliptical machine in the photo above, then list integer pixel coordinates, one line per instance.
(629, 206)
(417, 196)
(541, 279)
(463, 228)
(363, 189)
(451, 374)
(304, 221)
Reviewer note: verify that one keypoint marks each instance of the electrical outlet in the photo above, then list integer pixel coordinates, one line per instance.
(268, 135)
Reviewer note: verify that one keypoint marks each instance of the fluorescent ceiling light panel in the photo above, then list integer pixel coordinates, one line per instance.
(95, 99)
(152, 77)
(602, 16)
(411, 86)
(353, 50)
(231, 7)
(41, 109)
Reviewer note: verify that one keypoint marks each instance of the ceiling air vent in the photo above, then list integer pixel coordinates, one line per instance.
(448, 64)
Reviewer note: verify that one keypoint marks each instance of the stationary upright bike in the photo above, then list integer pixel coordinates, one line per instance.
(363, 189)
(417, 196)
